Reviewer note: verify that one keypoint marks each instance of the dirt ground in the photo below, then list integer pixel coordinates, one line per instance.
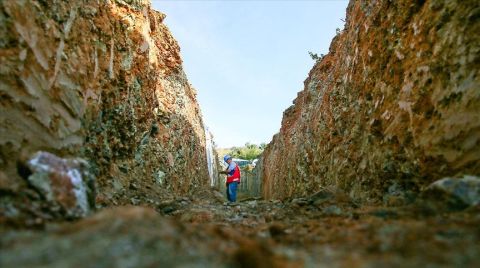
(323, 230)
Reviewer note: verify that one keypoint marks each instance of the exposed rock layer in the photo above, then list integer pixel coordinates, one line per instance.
(394, 106)
(100, 80)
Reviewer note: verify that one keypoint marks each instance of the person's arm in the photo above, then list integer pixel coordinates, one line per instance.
(224, 171)
(228, 171)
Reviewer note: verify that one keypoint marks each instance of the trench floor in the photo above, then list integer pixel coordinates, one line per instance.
(319, 231)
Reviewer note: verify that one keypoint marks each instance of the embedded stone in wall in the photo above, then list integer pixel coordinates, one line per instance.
(456, 193)
(65, 183)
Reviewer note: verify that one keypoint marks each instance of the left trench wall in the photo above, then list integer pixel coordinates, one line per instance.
(100, 80)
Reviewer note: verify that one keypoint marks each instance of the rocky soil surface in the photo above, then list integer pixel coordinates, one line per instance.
(393, 106)
(101, 81)
(326, 229)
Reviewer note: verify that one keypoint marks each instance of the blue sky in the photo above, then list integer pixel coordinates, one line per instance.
(248, 59)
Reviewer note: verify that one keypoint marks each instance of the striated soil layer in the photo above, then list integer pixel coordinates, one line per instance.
(99, 80)
(393, 106)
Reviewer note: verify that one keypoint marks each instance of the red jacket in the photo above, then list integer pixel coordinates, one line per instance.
(235, 177)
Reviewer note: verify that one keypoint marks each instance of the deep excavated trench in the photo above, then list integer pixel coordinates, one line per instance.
(103, 153)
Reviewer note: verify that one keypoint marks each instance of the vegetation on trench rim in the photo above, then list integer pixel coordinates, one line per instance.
(248, 152)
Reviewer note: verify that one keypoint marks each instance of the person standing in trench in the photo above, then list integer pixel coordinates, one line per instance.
(233, 178)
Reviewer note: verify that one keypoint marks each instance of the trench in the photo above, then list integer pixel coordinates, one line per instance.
(103, 164)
